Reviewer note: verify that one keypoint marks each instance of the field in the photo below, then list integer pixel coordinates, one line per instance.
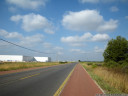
(108, 79)
(6, 66)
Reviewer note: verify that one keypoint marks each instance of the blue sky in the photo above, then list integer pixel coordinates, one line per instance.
(74, 29)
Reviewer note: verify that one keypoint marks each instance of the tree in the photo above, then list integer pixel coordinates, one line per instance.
(79, 61)
(117, 50)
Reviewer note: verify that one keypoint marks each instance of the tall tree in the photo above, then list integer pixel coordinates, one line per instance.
(117, 50)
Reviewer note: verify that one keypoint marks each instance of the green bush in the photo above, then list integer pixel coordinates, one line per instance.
(98, 64)
(121, 62)
(62, 62)
(90, 63)
(94, 66)
(111, 64)
(124, 67)
(126, 60)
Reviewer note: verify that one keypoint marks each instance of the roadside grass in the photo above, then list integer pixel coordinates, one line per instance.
(110, 82)
(117, 80)
(6, 66)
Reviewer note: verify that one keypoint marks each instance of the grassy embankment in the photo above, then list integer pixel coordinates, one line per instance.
(6, 66)
(109, 80)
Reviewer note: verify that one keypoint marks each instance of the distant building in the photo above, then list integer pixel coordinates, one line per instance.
(21, 58)
(43, 59)
(16, 58)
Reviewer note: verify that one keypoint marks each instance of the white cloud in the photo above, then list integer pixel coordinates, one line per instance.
(3, 32)
(101, 1)
(58, 48)
(12, 9)
(98, 50)
(110, 25)
(78, 51)
(4, 45)
(27, 4)
(77, 44)
(84, 38)
(16, 18)
(87, 37)
(13, 35)
(20, 39)
(88, 20)
(53, 49)
(100, 37)
(32, 22)
(47, 45)
(114, 9)
(109, 1)
(75, 50)
(76, 39)
(89, 1)
(60, 53)
(31, 40)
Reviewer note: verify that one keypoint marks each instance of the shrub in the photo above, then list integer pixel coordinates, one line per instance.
(111, 64)
(94, 66)
(62, 62)
(124, 67)
(126, 60)
(121, 62)
(90, 63)
(99, 64)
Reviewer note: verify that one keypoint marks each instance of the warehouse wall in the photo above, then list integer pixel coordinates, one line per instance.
(43, 59)
(28, 58)
(49, 59)
(20, 58)
(11, 58)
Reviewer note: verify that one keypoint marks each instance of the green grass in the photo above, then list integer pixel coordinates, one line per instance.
(6, 66)
(103, 84)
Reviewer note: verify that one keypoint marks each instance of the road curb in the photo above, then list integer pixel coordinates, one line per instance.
(58, 92)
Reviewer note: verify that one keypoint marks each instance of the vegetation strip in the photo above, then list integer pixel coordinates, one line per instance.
(103, 84)
(7, 66)
(57, 93)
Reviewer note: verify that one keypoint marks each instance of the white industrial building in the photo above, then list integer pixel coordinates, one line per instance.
(43, 59)
(21, 58)
(16, 58)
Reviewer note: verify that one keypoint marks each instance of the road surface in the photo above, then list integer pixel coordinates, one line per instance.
(38, 82)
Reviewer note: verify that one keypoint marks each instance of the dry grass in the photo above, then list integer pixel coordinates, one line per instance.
(117, 80)
(21, 65)
(111, 81)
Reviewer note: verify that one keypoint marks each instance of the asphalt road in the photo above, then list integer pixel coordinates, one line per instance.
(38, 82)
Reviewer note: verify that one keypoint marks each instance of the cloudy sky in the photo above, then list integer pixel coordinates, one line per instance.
(74, 29)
